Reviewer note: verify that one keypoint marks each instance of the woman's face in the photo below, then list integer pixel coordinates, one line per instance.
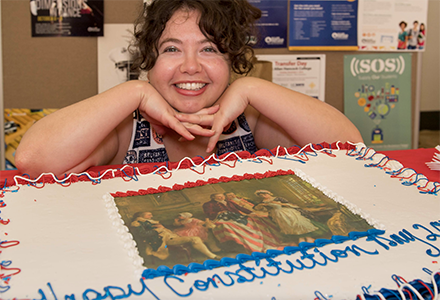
(265, 195)
(190, 73)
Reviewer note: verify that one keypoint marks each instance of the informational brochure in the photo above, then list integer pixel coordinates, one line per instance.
(272, 24)
(67, 18)
(323, 25)
(301, 73)
(377, 98)
(390, 25)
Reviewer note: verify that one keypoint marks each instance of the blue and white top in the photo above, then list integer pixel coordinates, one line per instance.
(147, 146)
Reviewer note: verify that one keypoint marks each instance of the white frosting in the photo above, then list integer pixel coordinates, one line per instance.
(73, 241)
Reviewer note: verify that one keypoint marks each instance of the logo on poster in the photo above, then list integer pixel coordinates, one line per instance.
(274, 40)
(368, 41)
(377, 65)
(340, 36)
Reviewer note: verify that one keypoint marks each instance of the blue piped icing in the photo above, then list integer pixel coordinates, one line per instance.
(256, 256)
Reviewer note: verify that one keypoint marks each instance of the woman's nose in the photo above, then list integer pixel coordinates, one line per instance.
(191, 64)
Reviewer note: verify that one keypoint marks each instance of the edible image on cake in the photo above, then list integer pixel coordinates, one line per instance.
(225, 219)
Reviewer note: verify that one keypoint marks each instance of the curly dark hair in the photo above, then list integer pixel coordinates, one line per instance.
(229, 24)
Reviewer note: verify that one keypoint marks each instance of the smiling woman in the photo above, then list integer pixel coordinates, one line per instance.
(190, 71)
(187, 108)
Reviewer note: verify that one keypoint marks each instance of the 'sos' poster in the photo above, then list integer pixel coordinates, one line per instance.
(377, 98)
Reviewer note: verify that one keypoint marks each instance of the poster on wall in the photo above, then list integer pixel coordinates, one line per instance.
(114, 58)
(53, 18)
(272, 24)
(390, 25)
(377, 98)
(301, 73)
(323, 25)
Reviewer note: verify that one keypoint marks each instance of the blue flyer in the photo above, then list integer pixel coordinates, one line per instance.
(272, 24)
(330, 24)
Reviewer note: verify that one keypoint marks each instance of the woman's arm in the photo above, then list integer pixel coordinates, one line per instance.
(92, 132)
(304, 119)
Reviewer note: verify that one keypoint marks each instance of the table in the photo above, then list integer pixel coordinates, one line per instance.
(416, 159)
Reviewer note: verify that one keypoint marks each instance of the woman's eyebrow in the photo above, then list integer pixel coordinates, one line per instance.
(170, 40)
(177, 41)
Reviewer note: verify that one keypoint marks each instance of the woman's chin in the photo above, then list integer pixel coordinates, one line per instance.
(190, 109)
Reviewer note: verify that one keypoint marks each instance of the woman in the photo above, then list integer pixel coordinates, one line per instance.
(288, 217)
(421, 37)
(402, 38)
(189, 48)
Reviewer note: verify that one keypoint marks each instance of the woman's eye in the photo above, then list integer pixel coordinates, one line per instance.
(170, 49)
(210, 49)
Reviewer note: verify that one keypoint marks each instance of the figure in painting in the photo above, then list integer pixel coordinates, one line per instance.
(158, 237)
(288, 217)
(220, 208)
(240, 201)
(189, 226)
(235, 222)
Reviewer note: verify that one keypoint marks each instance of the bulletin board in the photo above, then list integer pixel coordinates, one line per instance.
(53, 72)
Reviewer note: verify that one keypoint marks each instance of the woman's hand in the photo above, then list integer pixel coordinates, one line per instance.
(161, 115)
(199, 123)
(230, 105)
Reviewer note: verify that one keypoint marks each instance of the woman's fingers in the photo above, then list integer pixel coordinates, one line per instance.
(198, 130)
(202, 120)
(180, 129)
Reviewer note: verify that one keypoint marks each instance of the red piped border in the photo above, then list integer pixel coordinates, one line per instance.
(197, 183)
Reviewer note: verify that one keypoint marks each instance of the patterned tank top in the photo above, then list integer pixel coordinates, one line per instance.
(147, 146)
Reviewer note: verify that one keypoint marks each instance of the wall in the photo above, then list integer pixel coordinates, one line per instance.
(48, 72)
(430, 95)
(55, 72)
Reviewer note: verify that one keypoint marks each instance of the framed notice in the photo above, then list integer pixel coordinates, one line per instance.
(323, 25)
(301, 73)
(67, 18)
(377, 98)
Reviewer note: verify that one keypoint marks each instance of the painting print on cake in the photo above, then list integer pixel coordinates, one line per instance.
(232, 217)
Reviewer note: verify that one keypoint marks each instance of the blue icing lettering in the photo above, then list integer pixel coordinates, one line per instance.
(263, 268)
(173, 290)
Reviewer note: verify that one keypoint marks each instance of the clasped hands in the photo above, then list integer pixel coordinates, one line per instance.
(208, 122)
